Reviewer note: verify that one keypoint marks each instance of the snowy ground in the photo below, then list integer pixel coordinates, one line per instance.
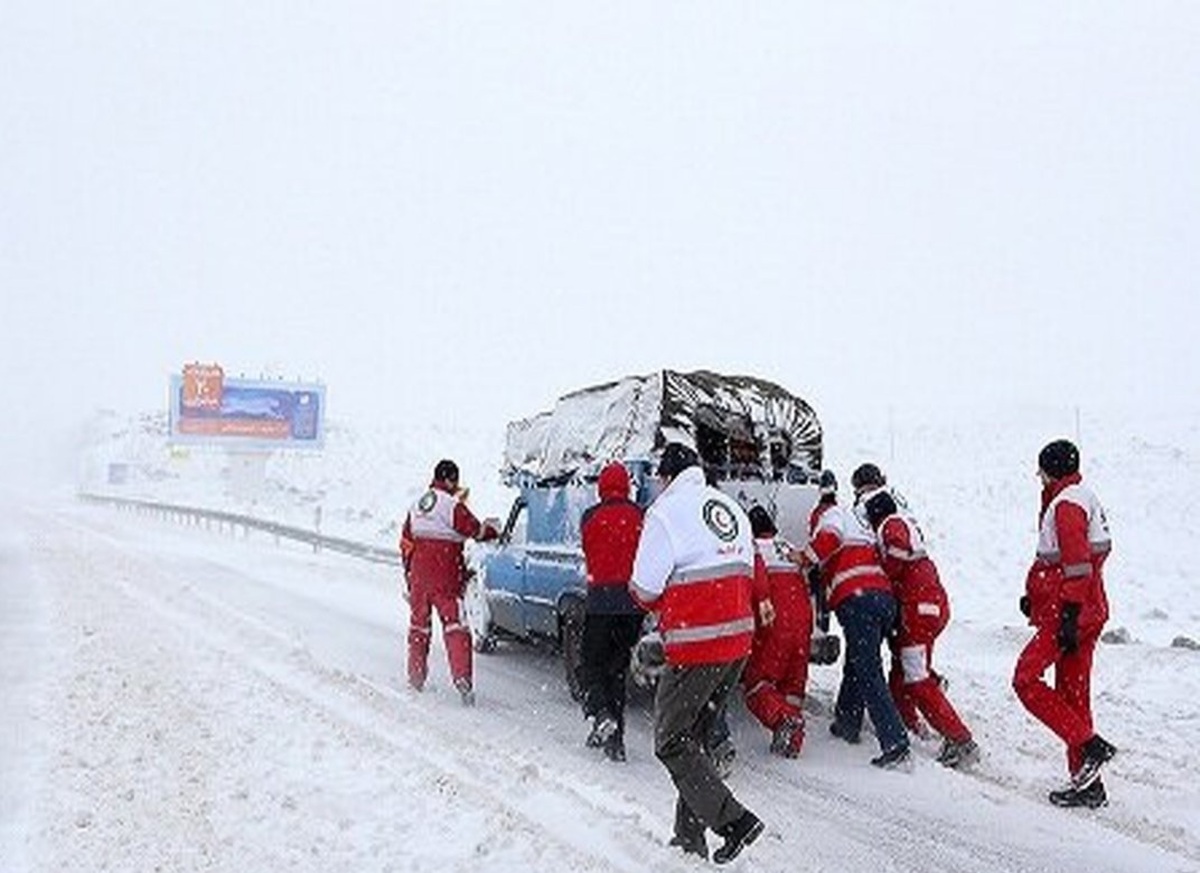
(176, 699)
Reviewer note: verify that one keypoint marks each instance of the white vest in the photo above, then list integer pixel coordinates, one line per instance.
(1099, 537)
(432, 517)
(692, 532)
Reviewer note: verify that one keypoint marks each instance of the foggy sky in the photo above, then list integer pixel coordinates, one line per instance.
(460, 211)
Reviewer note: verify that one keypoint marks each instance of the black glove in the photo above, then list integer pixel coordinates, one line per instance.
(1024, 604)
(1068, 629)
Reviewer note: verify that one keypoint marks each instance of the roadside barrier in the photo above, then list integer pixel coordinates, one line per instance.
(218, 519)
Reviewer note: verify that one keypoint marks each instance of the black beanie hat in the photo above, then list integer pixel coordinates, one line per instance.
(676, 458)
(445, 471)
(1058, 459)
(879, 506)
(760, 522)
(867, 476)
(828, 483)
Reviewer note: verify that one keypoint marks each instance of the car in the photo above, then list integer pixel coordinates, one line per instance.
(756, 441)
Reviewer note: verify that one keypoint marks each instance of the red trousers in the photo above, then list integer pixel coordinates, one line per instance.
(456, 635)
(917, 689)
(777, 674)
(1067, 707)
(914, 686)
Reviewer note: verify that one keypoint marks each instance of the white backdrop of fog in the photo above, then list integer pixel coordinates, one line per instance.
(458, 212)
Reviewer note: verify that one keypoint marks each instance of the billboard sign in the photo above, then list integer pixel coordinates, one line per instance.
(208, 407)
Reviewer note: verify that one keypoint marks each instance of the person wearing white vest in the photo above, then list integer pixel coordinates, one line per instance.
(694, 568)
(431, 550)
(1065, 602)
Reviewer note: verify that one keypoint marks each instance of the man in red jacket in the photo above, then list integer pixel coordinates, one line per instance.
(924, 612)
(777, 673)
(694, 567)
(1066, 604)
(431, 549)
(609, 534)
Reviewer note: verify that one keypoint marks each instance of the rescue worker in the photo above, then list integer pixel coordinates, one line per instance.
(860, 594)
(1066, 604)
(777, 673)
(694, 568)
(431, 550)
(924, 612)
(609, 534)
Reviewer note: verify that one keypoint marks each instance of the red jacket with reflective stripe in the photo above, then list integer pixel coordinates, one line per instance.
(1073, 543)
(694, 567)
(845, 550)
(780, 581)
(914, 575)
(923, 603)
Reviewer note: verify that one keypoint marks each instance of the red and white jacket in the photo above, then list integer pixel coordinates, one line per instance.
(779, 580)
(431, 541)
(845, 550)
(919, 592)
(694, 567)
(1073, 543)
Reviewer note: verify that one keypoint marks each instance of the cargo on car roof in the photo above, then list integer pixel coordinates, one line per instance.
(741, 426)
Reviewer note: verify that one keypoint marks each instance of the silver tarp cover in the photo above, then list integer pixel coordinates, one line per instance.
(633, 418)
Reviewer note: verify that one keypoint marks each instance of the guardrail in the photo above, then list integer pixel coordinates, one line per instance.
(209, 517)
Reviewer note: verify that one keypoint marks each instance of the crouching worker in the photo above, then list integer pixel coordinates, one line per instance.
(694, 568)
(609, 534)
(924, 612)
(431, 549)
(777, 673)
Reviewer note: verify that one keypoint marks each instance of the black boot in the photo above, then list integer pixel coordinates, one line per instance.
(689, 831)
(614, 747)
(893, 758)
(738, 834)
(1096, 753)
(1092, 797)
(693, 846)
(842, 732)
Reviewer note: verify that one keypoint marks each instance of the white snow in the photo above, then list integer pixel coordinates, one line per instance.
(179, 699)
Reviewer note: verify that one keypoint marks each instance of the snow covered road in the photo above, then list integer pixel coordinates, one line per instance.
(179, 700)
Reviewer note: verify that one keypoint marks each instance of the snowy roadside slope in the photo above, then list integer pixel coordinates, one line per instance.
(226, 704)
(972, 483)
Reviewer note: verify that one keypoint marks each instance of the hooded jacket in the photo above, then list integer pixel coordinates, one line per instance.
(609, 533)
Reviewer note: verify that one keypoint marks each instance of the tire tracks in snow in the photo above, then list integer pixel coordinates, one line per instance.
(523, 796)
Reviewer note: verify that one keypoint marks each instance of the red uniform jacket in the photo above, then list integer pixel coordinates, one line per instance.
(609, 533)
(431, 541)
(1073, 543)
(844, 548)
(924, 606)
(780, 580)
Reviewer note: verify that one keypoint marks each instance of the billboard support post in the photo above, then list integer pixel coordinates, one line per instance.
(247, 473)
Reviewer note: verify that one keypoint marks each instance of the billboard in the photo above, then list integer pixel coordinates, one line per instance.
(208, 407)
